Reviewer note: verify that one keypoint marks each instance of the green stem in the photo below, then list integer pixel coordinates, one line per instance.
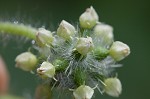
(18, 29)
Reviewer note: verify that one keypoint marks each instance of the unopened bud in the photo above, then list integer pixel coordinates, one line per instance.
(119, 50)
(83, 92)
(113, 87)
(65, 30)
(105, 33)
(100, 53)
(44, 37)
(84, 45)
(89, 18)
(46, 70)
(26, 61)
(60, 64)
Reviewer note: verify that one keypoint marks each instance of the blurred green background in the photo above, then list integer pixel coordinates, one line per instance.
(131, 22)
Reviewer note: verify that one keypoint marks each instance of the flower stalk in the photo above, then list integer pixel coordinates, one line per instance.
(18, 29)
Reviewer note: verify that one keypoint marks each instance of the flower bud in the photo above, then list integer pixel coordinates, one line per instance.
(26, 61)
(84, 45)
(60, 64)
(119, 50)
(89, 18)
(83, 92)
(113, 87)
(105, 33)
(100, 53)
(65, 30)
(44, 37)
(46, 70)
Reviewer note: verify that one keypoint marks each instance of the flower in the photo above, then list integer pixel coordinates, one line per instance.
(105, 33)
(46, 70)
(44, 37)
(26, 61)
(113, 87)
(65, 30)
(119, 50)
(84, 45)
(83, 92)
(89, 18)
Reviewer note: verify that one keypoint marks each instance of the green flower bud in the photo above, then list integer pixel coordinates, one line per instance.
(105, 33)
(89, 18)
(44, 37)
(65, 30)
(46, 70)
(80, 76)
(119, 50)
(26, 61)
(84, 45)
(113, 87)
(100, 53)
(83, 92)
(60, 64)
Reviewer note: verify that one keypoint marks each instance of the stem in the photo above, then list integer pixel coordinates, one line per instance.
(18, 29)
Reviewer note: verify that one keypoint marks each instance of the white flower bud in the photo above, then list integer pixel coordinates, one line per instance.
(84, 45)
(46, 70)
(26, 61)
(65, 30)
(105, 33)
(113, 87)
(89, 18)
(83, 92)
(44, 37)
(119, 50)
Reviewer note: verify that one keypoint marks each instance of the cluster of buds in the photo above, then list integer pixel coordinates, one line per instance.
(78, 58)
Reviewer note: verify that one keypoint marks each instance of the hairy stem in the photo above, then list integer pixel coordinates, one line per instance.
(18, 29)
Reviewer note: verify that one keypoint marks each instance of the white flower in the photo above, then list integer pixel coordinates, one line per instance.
(44, 37)
(65, 30)
(105, 33)
(83, 92)
(113, 87)
(46, 70)
(119, 50)
(89, 18)
(84, 45)
(26, 61)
